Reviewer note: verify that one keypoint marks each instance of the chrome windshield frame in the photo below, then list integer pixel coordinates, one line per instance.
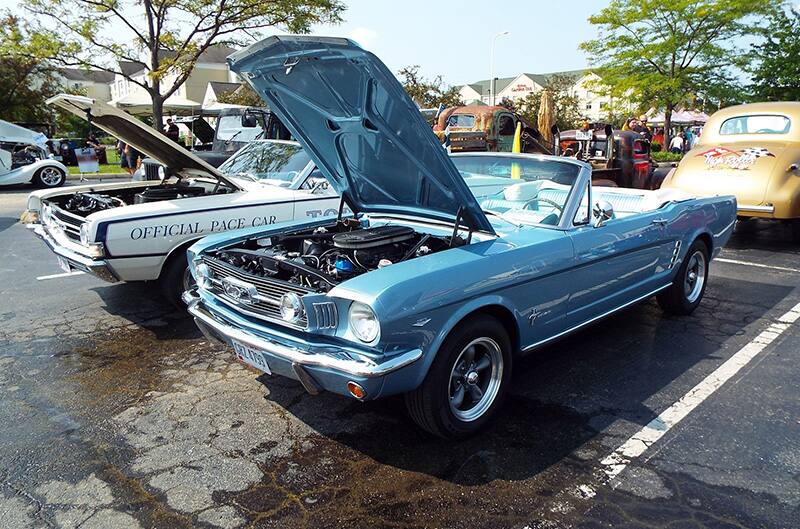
(574, 196)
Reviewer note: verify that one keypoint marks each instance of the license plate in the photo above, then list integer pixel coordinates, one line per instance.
(251, 356)
(583, 135)
(64, 264)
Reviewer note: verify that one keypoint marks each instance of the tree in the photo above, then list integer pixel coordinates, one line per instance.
(244, 95)
(26, 78)
(776, 76)
(660, 52)
(165, 36)
(565, 103)
(428, 93)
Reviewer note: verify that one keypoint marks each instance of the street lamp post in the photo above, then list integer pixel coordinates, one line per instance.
(491, 67)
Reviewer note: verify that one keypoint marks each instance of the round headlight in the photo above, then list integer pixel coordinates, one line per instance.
(291, 307)
(85, 234)
(363, 322)
(162, 173)
(202, 274)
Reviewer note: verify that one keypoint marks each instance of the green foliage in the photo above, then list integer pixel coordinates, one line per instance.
(565, 104)
(665, 156)
(662, 53)
(167, 36)
(26, 78)
(776, 76)
(244, 95)
(428, 93)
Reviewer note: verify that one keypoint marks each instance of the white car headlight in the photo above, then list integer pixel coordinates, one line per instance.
(363, 322)
(203, 274)
(85, 234)
(291, 307)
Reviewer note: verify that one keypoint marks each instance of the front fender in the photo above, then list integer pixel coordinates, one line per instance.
(444, 320)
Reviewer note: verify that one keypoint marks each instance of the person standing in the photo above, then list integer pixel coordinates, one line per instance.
(676, 145)
(172, 131)
(123, 159)
(133, 158)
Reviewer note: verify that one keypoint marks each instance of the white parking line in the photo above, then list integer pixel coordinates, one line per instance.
(65, 274)
(758, 265)
(637, 444)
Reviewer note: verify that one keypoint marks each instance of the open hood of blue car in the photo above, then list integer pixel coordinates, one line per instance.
(358, 124)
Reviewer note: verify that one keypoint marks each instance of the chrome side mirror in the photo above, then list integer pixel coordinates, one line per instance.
(602, 212)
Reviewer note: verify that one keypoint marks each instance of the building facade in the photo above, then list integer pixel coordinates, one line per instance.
(92, 83)
(594, 104)
(210, 67)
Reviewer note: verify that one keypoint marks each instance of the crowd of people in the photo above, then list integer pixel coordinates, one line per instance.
(682, 141)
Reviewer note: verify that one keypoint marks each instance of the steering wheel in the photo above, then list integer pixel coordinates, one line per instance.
(291, 174)
(553, 203)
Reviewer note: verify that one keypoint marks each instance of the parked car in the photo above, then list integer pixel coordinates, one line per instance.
(429, 289)
(753, 152)
(24, 158)
(625, 161)
(139, 231)
(235, 127)
(476, 128)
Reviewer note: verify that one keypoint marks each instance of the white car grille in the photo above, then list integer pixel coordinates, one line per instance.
(58, 220)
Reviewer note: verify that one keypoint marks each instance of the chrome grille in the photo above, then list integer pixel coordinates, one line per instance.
(151, 171)
(327, 315)
(269, 290)
(63, 221)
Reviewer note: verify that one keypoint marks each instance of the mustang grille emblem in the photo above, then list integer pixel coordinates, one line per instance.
(239, 291)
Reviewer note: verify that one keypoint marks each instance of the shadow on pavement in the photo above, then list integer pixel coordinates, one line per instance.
(142, 303)
(561, 396)
(763, 235)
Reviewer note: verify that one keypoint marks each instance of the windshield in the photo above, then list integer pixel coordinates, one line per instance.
(521, 190)
(461, 120)
(762, 124)
(275, 163)
(239, 128)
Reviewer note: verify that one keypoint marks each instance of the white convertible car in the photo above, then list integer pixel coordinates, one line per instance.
(24, 158)
(139, 231)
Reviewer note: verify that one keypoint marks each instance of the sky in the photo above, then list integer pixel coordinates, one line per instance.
(453, 38)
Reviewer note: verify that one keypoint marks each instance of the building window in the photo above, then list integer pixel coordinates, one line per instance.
(588, 106)
(603, 105)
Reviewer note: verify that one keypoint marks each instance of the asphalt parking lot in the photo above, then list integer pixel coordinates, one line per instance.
(116, 413)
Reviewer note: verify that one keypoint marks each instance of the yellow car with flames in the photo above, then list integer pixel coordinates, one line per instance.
(750, 151)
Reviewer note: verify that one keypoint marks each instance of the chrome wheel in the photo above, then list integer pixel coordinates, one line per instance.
(695, 277)
(475, 379)
(50, 176)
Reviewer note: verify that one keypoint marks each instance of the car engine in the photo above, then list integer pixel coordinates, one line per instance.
(326, 256)
(88, 202)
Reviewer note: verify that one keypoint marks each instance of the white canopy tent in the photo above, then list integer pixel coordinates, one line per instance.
(139, 103)
(682, 117)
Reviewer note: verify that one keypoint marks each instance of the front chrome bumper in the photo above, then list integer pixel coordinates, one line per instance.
(80, 262)
(337, 360)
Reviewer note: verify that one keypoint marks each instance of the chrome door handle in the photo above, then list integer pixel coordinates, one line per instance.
(660, 222)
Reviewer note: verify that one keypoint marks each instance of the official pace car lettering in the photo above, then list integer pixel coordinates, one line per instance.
(195, 228)
(314, 213)
(722, 157)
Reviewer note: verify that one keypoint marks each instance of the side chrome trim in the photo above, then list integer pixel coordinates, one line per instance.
(758, 209)
(592, 320)
(337, 359)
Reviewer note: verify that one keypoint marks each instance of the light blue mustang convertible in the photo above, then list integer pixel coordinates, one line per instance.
(438, 270)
